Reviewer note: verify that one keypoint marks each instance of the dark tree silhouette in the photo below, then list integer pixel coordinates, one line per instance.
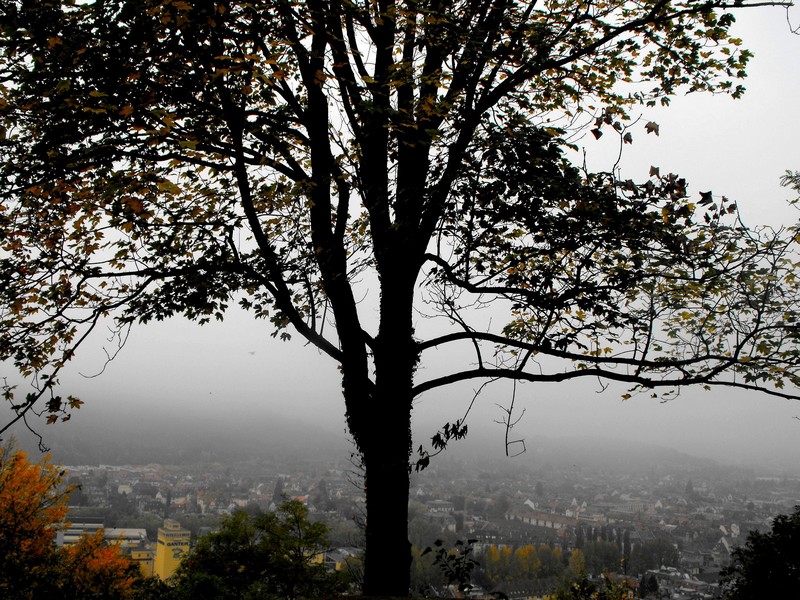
(768, 565)
(165, 157)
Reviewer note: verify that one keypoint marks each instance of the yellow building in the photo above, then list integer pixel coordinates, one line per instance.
(172, 545)
(134, 544)
(143, 556)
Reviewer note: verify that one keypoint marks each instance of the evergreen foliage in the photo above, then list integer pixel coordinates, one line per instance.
(768, 565)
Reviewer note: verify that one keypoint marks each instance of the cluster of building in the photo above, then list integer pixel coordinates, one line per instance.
(172, 543)
(704, 511)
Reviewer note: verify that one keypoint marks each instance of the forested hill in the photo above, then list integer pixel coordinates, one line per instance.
(127, 434)
(130, 433)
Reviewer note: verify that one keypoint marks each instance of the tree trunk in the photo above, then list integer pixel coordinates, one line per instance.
(385, 448)
(388, 552)
(385, 443)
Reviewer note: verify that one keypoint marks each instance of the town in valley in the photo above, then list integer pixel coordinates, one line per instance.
(657, 516)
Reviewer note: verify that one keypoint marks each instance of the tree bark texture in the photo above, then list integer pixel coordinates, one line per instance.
(383, 434)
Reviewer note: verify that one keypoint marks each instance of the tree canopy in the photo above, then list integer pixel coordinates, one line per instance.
(268, 555)
(33, 507)
(296, 157)
(768, 564)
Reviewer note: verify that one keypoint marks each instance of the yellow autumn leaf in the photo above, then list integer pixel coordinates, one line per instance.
(167, 186)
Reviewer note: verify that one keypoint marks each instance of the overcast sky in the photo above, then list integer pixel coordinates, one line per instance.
(735, 148)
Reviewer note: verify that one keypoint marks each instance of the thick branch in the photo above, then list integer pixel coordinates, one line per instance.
(633, 379)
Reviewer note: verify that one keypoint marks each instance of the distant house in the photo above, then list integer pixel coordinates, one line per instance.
(445, 521)
(693, 562)
(440, 506)
(542, 519)
(78, 528)
(336, 559)
(134, 544)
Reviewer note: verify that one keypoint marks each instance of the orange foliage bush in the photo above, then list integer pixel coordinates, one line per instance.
(33, 507)
(96, 569)
(33, 504)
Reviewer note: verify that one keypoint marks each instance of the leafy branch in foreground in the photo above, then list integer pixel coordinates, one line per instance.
(456, 564)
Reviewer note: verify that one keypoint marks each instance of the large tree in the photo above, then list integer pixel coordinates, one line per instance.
(768, 564)
(163, 157)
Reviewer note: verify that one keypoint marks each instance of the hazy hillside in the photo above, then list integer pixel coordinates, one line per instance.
(131, 434)
(126, 435)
